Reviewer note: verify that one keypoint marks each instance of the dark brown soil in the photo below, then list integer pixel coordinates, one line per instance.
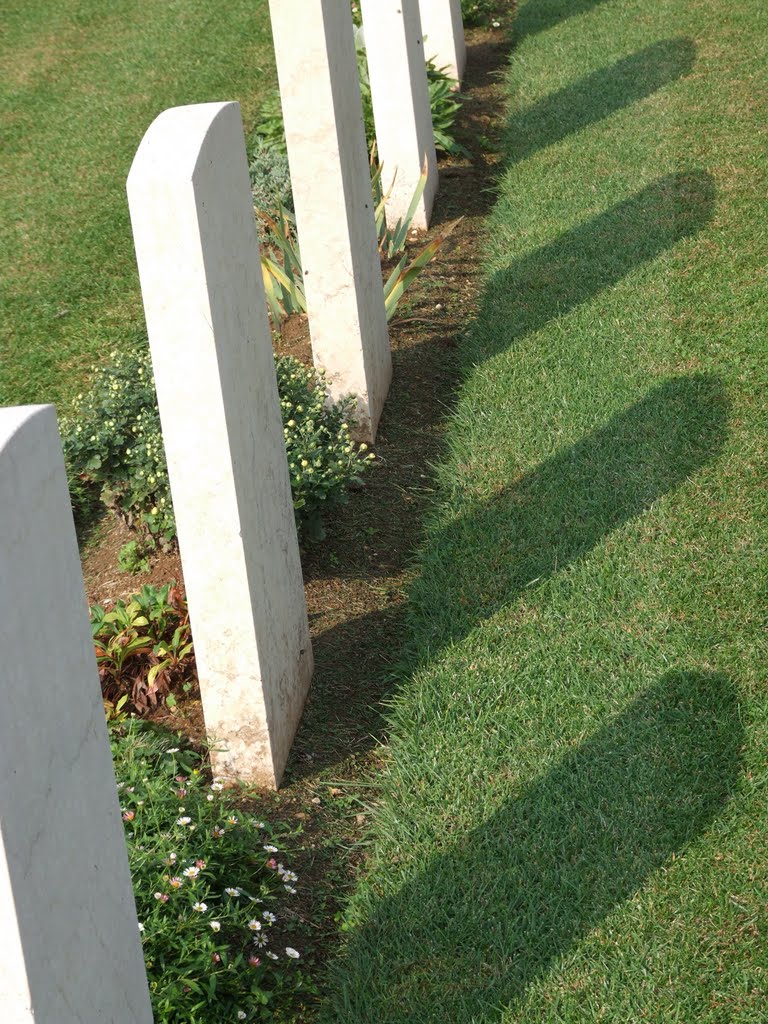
(105, 582)
(357, 578)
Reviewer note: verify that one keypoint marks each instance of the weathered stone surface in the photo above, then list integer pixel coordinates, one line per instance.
(198, 256)
(71, 944)
(443, 29)
(401, 110)
(322, 111)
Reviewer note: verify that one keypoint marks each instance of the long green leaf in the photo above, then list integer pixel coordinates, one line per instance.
(290, 286)
(270, 291)
(393, 277)
(401, 278)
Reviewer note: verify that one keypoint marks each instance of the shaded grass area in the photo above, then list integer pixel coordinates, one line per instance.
(80, 82)
(555, 860)
(600, 94)
(560, 511)
(571, 824)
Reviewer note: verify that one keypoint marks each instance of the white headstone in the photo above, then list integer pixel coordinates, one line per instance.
(198, 257)
(401, 110)
(71, 949)
(330, 177)
(443, 29)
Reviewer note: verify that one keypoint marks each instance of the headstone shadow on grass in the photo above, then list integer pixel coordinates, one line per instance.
(539, 15)
(464, 937)
(597, 96)
(557, 512)
(538, 525)
(583, 261)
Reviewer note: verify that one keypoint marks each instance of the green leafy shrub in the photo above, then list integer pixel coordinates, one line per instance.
(480, 12)
(212, 895)
(144, 649)
(322, 457)
(444, 101)
(281, 268)
(134, 556)
(113, 443)
(269, 128)
(270, 176)
(392, 238)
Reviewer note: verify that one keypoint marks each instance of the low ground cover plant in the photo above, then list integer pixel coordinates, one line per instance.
(323, 460)
(113, 445)
(144, 649)
(212, 892)
(269, 173)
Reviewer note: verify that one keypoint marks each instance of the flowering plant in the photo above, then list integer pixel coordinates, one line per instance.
(322, 457)
(112, 441)
(211, 891)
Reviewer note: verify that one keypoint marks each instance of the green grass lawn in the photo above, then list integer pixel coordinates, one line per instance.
(573, 822)
(80, 82)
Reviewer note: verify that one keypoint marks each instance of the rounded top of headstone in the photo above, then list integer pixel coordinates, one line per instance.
(14, 418)
(180, 138)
